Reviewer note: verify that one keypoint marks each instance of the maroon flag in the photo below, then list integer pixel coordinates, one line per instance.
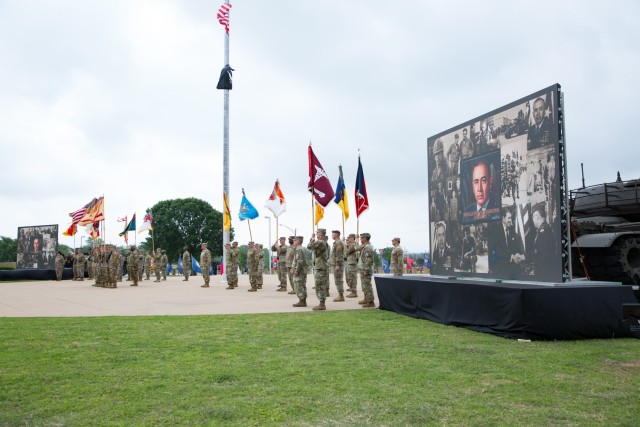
(319, 183)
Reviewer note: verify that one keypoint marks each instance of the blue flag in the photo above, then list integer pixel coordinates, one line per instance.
(427, 261)
(385, 265)
(195, 266)
(247, 211)
(180, 270)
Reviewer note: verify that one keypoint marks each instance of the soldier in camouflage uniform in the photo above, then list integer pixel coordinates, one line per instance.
(337, 264)
(397, 258)
(232, 266)
(259, 265)
(141, 257)
(351, 253)
(320, 250)
(164, 260)
(205, 264)
(157, 265)
(90, 263)
(186, 264)
(281, 256)
(289, 264)
(78, 265)
(114, 264)
(251, 266)
(133, 265)
(147, 265)
(299, 271)
(365, 267)
(59, 266)
(120, 266)
(103, 268)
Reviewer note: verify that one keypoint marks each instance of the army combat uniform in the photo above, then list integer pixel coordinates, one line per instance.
(397, 260)
(365, 267)
(351, 253)
(133, 266)
(320, 250)
(164, 260)
(291, 251)
(186, 265)
(299, 270)
(59, 266)
(205, 264)
(336, 261)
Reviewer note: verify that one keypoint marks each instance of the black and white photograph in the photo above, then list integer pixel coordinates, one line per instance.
(37, 246)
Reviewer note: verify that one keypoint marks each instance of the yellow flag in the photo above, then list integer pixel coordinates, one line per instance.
(319, 212)
(227, 214)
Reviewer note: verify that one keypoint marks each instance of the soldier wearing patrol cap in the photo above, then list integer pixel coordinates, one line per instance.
(337, 263)
(164, 260)
(281, 255)
(186, 264)
(320, 250)
(299, 271)
(365, 267)
(397, 258)
(351, 256)
(441, 170)
(205, 264)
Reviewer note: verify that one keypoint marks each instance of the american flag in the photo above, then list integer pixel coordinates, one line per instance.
(223, 16)
(76, 216)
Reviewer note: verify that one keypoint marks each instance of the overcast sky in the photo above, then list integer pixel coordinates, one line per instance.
(118, 98)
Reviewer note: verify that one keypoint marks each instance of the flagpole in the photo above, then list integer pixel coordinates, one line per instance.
(250, 235)
(313, 213)
(225, 173)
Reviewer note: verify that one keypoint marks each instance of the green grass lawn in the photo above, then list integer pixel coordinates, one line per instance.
(348, 368)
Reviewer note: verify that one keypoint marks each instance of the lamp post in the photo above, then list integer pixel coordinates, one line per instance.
(293, 230)
(81, 239)
(269, 243)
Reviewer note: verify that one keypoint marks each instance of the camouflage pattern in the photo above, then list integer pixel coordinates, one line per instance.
(120, 266)
(232, 267)
(397, 261)
(365, 268)
(281, 256)
(291, 251)
(205, 264)
(164, 261)
(147, 265)
(252, 266)
(133, 267)
(103, 267)
(91, 263)
(260, 266)
(299, 269)
(157, 264)
(140, 265)
(336, 260)
(113, 264)
(186, 264)
(78, 266)
(59, 266)
(320, 251)
(351, 253)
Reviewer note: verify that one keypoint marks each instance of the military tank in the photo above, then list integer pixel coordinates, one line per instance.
(605, 226)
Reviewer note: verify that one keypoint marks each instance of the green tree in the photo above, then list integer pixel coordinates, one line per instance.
(8, 249)
(242, 257)
(66, 250)
(187, 222)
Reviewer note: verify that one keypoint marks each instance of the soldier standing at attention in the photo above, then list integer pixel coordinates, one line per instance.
(114, 264)
(140, 264)
(365, 267)
(78, 265)
(147, 265)
(205, 264)
(337, 263)
(351, 253)
(186, 264)
(59, 266)
(259, 265)
(397, 258)
(281, 256)
(121, 266)
(232, 265)
(228, 265)
(90, 262)
(299, 271)
(320, 250)
(251, 266)
(164, 260)
(157, 265)
(133, 266)
(289, 263)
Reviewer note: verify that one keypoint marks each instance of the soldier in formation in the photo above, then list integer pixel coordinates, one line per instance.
(365, 268)
(289, 264)
(320, 250)
(259, 265)
(164, 261)
(120, 266)
(133, 266)
(186, 264)
(252, 266)
(281, 255)
(337, 264)
(78, 265)
(351, 254)
(205, 264)
(113, 265)
(59, 265)
(157, 265)
(140, 264)
(147, 265)
(231, 265)
(397, 258)
(299, 271)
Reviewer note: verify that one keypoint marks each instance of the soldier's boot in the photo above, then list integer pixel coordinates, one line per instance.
(369, 304)
(352, 294)
(184, 280)
(259, 286)
(362, 301)
(320, 306)
(339, 298)
(229, 287)
(292, 292)
(253, 289)
(301, 303)
(281, 289)
(133, 284)
(206, 285)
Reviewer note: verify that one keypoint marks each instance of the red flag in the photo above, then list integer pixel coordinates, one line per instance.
(223, 16)
(362, 201)
(319, 181)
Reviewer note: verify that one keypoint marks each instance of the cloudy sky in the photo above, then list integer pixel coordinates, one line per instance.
(118, 98)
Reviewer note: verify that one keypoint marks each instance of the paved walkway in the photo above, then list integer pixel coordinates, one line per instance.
(173, 297)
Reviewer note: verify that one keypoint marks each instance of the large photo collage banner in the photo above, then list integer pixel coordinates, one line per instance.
(37, 246)
(494, 193)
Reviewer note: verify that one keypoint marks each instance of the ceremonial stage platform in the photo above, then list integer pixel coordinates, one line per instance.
(524, 310)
